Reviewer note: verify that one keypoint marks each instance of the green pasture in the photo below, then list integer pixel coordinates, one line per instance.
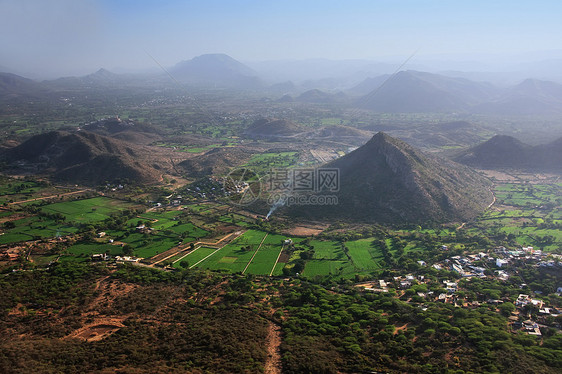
(88, 210)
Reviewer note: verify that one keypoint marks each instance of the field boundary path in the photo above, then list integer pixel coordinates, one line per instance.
(49, 197)
(277, 260)
(254, 255)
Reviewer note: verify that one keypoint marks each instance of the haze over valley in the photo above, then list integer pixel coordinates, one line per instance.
(231, 187)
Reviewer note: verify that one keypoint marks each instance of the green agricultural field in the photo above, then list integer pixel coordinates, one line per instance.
(265, 258)
(89, 249)
(329, 259)
(324, 267)
(261, 163)
(238, 249)
(83, 251)
(167, 224)
(14, 190)
(86, 211)
(523, 195)
(168, 232)
(327, 250)
(195, 256)
(278, 269)
(32, 228)
(146, 245)
(531, 215)
(364, 255)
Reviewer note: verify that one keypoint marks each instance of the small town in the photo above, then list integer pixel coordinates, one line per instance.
(527, 312)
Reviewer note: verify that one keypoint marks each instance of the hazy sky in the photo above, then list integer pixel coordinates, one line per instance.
(69, 37)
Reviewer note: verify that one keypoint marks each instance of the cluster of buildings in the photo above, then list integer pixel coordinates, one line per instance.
(497, 265)
(209, 188)
(117, 259)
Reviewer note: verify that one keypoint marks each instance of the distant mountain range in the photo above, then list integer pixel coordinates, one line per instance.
(14, 86)
(218, 70)
(413, 91)
(506, 152)
(386, 180)
(405, 92)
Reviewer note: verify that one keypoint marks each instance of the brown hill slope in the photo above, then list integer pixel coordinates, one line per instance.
(216, 161)
(273, 128)
(386, 180)
(80, 157)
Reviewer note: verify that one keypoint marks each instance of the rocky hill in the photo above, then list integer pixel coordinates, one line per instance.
(216, 161)
(273, 128)
(507, 152)
(80, 157)
(386, 180)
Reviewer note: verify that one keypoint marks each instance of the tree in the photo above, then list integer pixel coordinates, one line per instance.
(127, 250)
(506, 309)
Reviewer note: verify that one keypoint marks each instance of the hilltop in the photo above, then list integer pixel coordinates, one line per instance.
(387, 180)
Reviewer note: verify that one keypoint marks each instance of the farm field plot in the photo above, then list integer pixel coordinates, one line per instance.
(189, 231)
(88, 210)
(167, 224)
(261, 163)
(235, 256)
(529, 195)
(92, 248)
(265, 258)
(278, 269)
(364, 255)
(146, 245)
(547, 239)
(194, 256)
(324, 267)
(328, 250)
(530, 215)
(83, 251)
